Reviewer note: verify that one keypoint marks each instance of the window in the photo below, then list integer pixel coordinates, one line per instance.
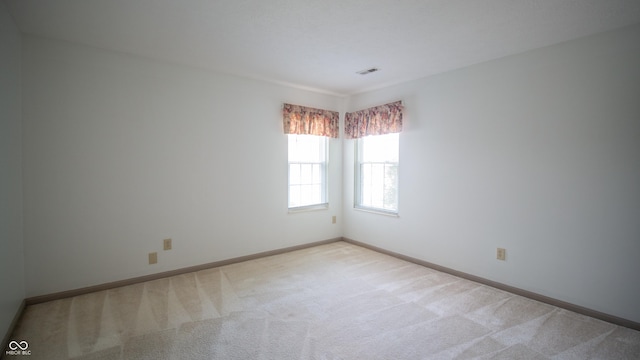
(377, 173)
(307, 171)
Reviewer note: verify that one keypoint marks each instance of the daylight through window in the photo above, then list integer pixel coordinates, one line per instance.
(377, 173)
(307, 171)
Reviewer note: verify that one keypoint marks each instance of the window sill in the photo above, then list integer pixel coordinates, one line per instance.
(308, 208)
(376, 211)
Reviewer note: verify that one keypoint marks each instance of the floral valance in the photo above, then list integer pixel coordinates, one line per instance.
(379, 120)
(309, 121)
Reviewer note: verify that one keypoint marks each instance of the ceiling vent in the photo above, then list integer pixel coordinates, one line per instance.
(367, 71)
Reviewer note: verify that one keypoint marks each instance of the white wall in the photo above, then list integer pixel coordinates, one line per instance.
(121, 152)
(12, 288)
(538, 153)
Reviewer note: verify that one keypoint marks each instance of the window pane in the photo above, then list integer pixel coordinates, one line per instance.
(380, 148)
(365, 180)
(317, 174)
(378, 185)
(306, 148)
(305, 175)
(378, 172)
(316, 194)
(307, 170)
(294, 174)
(294, 195)
(306, 195)
(390, 187)
(293, 148)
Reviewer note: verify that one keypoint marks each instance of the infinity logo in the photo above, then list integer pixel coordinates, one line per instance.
(14, 345)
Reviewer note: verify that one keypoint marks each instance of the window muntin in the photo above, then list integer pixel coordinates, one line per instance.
(307, 171)
(377, 162)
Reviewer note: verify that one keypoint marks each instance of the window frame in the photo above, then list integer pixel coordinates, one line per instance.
(324, 178)
(358, 186)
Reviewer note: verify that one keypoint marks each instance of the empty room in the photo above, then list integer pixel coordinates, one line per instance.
(280, 179)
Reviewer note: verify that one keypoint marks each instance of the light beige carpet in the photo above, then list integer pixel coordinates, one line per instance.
(335, 301)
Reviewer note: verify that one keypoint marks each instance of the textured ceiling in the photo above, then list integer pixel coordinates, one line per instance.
(319, 44)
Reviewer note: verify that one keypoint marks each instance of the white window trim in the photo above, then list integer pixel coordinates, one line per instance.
(376, 211)
(306, 208)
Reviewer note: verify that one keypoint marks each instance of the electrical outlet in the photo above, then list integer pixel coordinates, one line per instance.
(167, 244)
(153, 258)
(501, 254)
(333, 219)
